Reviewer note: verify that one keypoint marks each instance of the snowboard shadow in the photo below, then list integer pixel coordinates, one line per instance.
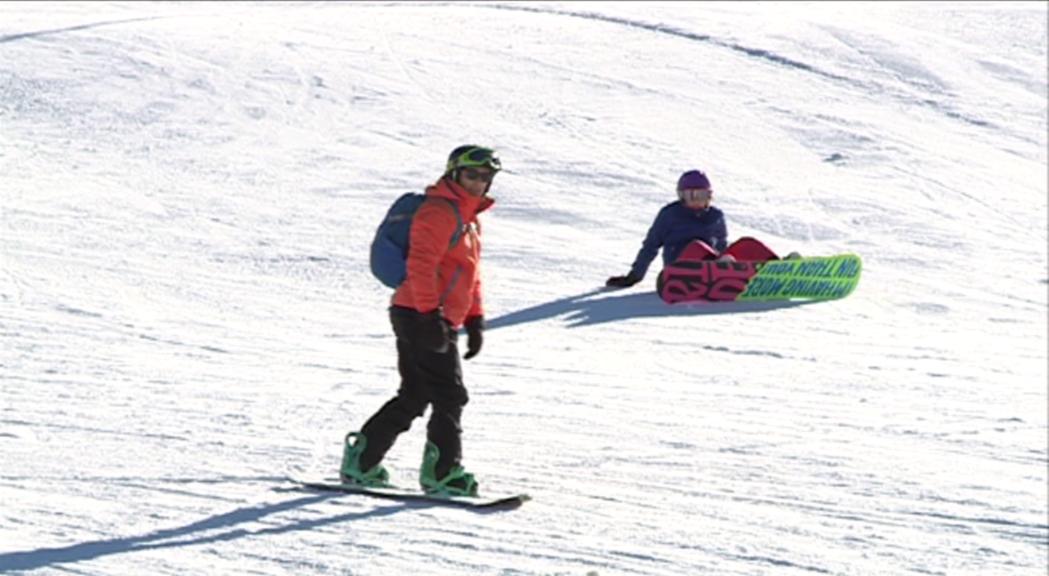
(239, 523)
(589, 308)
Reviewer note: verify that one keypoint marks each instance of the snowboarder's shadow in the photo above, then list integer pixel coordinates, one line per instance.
(249, 521)
(590, 308)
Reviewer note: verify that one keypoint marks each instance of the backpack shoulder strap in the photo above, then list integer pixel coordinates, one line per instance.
(458, 221)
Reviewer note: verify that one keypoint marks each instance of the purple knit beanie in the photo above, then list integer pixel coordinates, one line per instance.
(692, 179)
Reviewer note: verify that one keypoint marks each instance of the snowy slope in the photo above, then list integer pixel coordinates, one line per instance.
(187, 192)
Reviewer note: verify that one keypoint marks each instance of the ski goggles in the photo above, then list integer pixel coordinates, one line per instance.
(475, 174)
(476, 157)
(696, 194)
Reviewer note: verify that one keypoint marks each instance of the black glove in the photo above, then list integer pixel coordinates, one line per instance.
(432, 331)
(622, 281)
(474, 336)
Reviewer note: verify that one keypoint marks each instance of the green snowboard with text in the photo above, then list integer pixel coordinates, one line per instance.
(816, 278)
(812, 278)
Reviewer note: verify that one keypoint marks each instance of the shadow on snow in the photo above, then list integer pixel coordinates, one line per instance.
(588, 309)
(219, 528)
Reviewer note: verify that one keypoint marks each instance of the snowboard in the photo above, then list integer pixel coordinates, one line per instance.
(812, 278)
(489, 502)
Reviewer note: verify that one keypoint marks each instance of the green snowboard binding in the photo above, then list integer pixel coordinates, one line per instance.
(350, 471)
(458, 482)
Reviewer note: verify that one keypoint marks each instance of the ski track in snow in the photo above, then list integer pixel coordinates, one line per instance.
(188, 191)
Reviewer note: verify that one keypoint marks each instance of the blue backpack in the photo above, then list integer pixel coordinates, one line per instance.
(389, 253)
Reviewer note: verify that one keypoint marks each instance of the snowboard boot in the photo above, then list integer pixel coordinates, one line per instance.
(792, 256)
(350, 471)
(457, 482)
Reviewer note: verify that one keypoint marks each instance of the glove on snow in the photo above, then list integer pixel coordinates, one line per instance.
(622, 281)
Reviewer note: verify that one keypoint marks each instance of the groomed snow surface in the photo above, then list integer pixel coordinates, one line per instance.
(188, 192)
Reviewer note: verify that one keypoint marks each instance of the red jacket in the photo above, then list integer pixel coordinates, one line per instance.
(439, 275)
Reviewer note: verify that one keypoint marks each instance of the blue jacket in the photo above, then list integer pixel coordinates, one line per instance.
(675, 226)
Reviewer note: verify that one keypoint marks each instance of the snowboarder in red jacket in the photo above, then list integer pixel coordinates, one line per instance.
(441, 294)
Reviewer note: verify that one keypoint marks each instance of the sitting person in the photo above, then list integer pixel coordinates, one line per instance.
(693, 223)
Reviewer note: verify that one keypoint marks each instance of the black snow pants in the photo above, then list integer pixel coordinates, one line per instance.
(428, 378)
